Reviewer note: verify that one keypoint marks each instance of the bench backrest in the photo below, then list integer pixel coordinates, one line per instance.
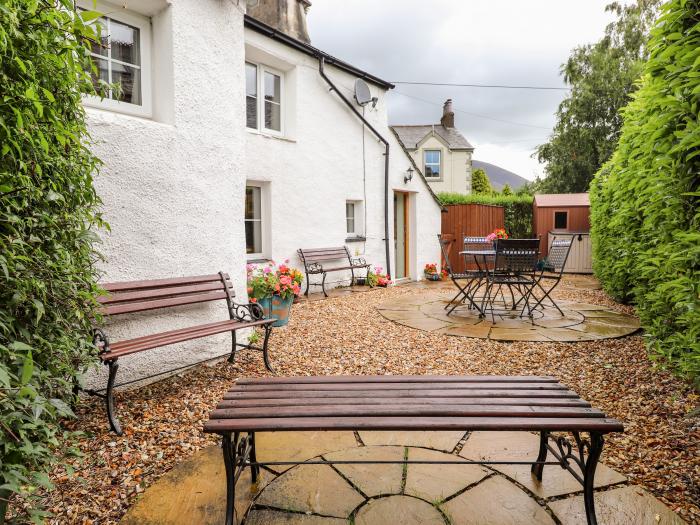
(140, 296)
(315, 255)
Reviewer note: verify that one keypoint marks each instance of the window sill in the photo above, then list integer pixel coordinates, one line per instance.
(356, 239)
(269, 135)
(258, 260)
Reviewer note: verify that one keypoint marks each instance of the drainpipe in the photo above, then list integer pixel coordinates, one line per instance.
(321, 61)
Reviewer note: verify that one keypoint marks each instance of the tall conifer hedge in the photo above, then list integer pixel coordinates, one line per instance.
(48, 212)
(644, 201)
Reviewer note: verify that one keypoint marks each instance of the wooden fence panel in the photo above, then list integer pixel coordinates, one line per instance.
(468, 220)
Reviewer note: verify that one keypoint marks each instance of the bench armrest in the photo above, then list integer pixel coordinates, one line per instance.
(247, 312)
(358, 261)
(314, 267)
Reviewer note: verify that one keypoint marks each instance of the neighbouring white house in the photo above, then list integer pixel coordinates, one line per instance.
(233, 140)
(442, 152)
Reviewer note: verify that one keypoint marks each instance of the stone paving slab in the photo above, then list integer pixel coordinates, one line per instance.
(436, 483)
(622, 506)
(581, 321)
(495, 501)
(317, 489)
(276, 517)
(402, 510)
(372, 480)
(299, 446)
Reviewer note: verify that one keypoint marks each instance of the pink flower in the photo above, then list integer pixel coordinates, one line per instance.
(267, 270)
(286, 280)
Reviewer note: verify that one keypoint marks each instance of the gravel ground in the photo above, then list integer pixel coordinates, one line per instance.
(344, 335)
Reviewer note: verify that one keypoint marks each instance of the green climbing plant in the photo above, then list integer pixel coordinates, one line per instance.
(48, 217)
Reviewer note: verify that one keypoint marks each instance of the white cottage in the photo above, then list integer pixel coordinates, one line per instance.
(232, 141)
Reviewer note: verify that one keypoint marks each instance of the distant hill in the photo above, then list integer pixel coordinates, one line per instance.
(498, 176)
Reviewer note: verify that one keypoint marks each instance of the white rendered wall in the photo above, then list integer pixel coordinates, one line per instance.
(172, 185)
(456, 167)
(318, 166)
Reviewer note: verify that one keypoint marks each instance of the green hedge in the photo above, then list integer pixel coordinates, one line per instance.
(644, 201)
(48, 211)
(517, 209)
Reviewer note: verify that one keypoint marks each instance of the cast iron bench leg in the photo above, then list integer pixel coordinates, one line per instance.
(232, 357)
(589, 476)
(323, 284)
(537, 468)
(254, 469)
(266, 356)
(109, 397)
(229, 449)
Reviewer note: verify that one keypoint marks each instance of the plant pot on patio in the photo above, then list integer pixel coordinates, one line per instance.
(274, 288)
(278, 308)
(432, 276)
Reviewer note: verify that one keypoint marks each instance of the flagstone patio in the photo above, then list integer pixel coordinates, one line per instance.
(194, 491)
(580, 322)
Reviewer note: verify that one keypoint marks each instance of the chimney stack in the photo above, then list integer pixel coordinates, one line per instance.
(287, 16)
(448, 115)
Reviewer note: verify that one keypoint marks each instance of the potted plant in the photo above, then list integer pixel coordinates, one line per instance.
(431, 272)
(274, 289)
(377, 278)
(498, 233)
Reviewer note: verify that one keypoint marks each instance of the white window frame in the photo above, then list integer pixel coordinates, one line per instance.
(425, 170)
(264, 218)
(260, 99)
(357, 219)
(352, 232)
(143, 24)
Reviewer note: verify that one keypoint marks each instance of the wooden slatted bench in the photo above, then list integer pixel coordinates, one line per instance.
(141, 296)
(313, 259)
(402, 403)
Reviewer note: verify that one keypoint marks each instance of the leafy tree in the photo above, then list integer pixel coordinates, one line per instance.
(481, 182)
(602, 78)
(48, 211)
(506, 190)
(645, 202)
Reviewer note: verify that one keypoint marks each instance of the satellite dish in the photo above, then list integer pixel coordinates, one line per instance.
(362, 93)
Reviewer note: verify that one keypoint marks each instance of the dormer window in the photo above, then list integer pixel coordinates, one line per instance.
(431, 163)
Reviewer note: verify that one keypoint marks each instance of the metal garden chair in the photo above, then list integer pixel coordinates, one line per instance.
(464, 281)
(554, 266)
(515, 266)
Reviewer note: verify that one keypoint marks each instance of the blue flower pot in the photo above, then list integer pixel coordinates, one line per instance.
(277, 308)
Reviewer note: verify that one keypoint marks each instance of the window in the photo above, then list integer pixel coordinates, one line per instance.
(263, 113)
(354, 223)
(253, 220)
(350, 218)
(122, 59)
(561, 220)
(431, 162)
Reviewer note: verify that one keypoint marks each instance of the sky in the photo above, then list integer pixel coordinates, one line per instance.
(512, 42)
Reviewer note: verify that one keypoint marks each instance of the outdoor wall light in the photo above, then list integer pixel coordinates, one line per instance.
(409, 175)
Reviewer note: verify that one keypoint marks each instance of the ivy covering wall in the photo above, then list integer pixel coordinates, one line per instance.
(644, 201)
(517, 209)
(48, 212)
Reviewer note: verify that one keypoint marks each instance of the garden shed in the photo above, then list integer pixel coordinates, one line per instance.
(565, 213)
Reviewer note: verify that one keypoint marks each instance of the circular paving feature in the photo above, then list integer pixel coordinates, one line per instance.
(579, 322)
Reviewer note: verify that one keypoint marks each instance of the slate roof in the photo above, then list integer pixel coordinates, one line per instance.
(562, 199)
(412, 135)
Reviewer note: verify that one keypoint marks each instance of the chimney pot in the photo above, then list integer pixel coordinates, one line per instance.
(448, 115)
